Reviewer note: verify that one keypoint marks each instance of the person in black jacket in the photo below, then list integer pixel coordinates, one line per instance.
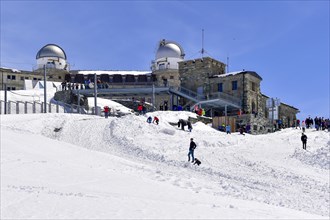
(304, 140)
(191, 150)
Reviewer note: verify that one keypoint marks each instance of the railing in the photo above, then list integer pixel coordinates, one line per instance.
(225, 96)
(20, 107)
(202, 97)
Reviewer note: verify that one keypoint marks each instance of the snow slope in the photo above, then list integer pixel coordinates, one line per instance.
(65, 166)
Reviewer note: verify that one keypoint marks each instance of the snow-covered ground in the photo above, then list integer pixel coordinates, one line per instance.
(68, 166)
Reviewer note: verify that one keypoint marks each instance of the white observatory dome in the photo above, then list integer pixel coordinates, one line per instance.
(52, 54)
(168, 55)
(169, 49)
(51, 50)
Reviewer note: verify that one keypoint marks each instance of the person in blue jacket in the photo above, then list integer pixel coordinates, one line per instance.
(149, 119)
(228, 129)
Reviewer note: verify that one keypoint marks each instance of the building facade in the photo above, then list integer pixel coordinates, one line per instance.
(235, 94)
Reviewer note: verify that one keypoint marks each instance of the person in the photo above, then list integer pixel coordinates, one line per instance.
(182, 123)
(241, 130)
(63, 85)
(156, 120)
(298, 124)
(106, 111)
(228, 129)
(303, 125)
(191, 150)
(149, 119)
(189, 126)
(304, 140)
(139, 108)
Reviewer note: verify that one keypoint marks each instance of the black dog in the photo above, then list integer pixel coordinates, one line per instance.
(198, 162)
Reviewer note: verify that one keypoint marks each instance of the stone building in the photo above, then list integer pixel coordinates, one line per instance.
(176, 82)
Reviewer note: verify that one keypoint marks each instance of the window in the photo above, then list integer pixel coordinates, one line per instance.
(171, 77)
(220, 87)
(34, 78)
(234, 85)
(22, 77)
(253, 85)
(26, 77)
(8, 77)
(59, 77)
(13, 77)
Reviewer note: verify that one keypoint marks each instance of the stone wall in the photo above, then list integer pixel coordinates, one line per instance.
(287, 114)
(167, 77)
(195, 74)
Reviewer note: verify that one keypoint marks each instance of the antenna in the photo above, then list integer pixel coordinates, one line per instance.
(202, 51)
(227, 63)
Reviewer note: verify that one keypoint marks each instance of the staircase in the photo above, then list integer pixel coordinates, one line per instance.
(214, 100)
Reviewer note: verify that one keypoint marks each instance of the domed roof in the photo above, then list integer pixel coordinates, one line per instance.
(169, 49)
(51, 50)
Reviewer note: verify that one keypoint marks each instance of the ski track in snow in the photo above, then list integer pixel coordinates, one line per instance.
(228, 166)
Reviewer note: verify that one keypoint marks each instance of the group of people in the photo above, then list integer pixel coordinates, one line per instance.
(319, 123)
(155, 121)
(199, 111)
(142, 109)
(71, 86)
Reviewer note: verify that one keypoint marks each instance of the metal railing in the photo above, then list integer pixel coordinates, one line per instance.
(202, 97)
(20, 107)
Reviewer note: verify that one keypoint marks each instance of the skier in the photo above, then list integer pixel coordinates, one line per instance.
(191, 150)
(304, 140)
(149, 119)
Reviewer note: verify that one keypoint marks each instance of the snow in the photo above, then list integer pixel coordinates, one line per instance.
(71, 166)
(112, 72)
(13, 70)
(228, 74)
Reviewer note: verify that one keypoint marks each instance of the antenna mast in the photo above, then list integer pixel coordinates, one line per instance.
(202, 51)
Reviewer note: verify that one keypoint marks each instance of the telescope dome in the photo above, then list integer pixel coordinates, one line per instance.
(51, 50)
(169, 49)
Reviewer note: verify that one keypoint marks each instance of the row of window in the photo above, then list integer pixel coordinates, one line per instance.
(233, 86)
(13, 77)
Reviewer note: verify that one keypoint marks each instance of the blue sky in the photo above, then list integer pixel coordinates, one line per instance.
(285, 42)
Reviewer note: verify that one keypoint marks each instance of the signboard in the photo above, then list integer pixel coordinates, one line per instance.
(269, 102)
(271, 111)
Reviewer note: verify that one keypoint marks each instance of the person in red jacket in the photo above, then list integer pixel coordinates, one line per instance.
(155, 120)
(106, 111)
(139, 108)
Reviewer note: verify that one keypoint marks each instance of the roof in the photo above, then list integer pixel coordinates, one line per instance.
(239, 72)
(112, 72)
(169, 49)
(51, 50)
